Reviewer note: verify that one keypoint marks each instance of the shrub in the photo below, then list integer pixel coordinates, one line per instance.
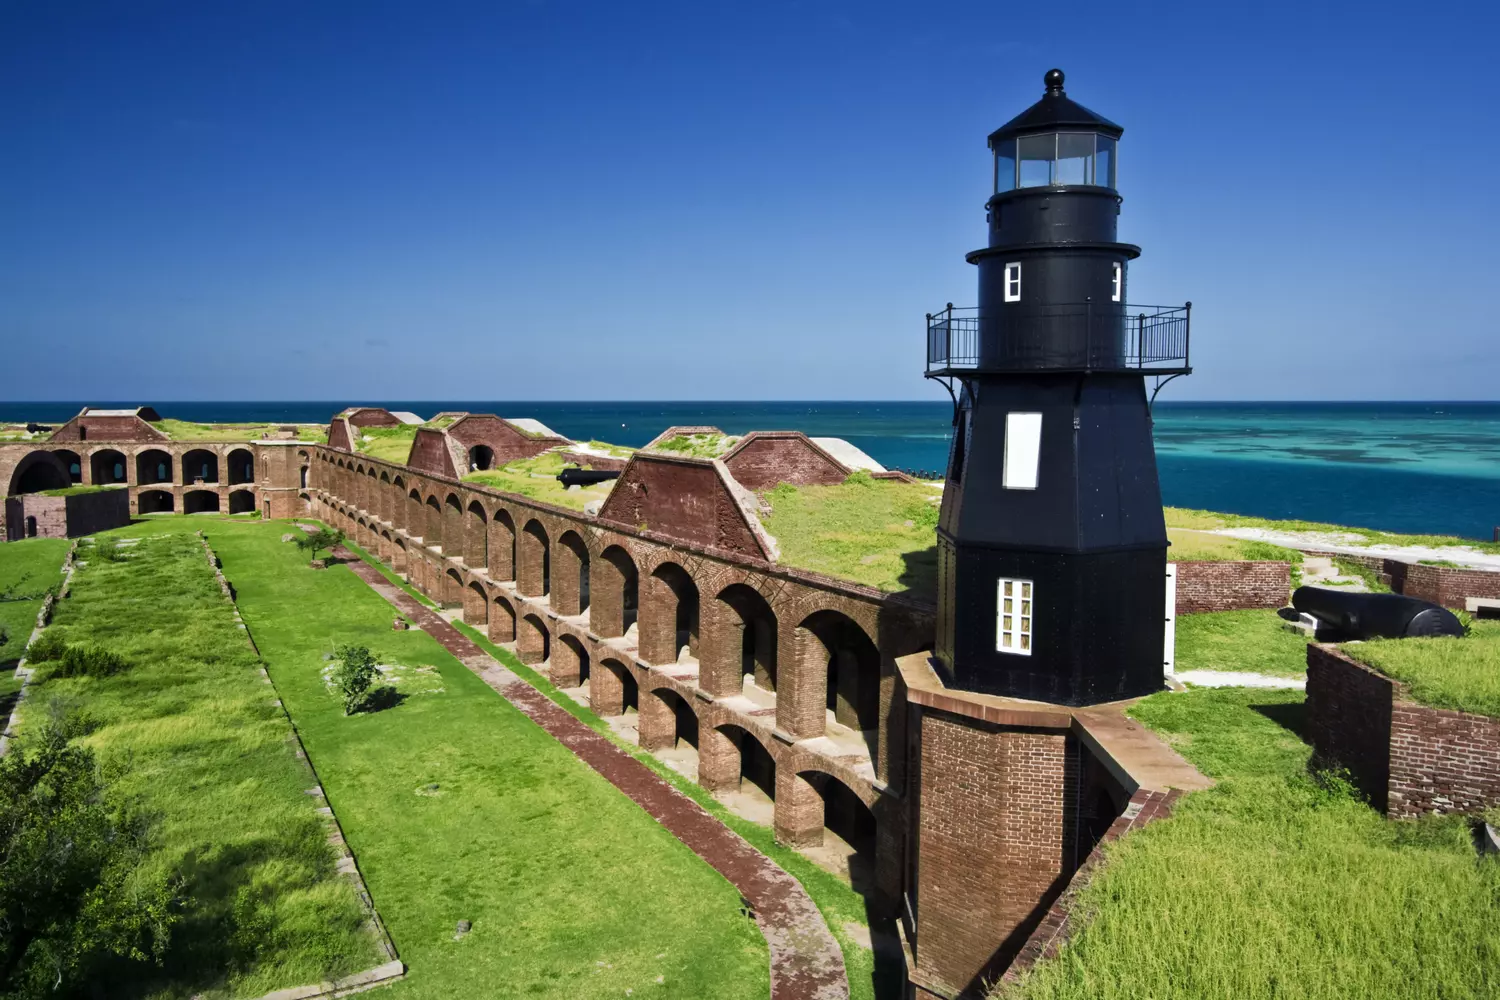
(355, 676)
(67, 910)
(91, 661)
(50, 645)
(859, 477)
(108, 552)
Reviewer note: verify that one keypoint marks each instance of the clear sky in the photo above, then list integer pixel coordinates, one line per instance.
(562, 200)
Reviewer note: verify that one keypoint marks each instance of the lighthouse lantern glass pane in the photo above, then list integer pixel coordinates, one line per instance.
(1104, 168)
(1075, 158)
(1037, 153)
(1005, 166)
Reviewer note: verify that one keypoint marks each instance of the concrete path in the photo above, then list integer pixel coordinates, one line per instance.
(1236, 678)
(806, 963)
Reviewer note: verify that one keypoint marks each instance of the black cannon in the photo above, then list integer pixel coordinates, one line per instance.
(571, 477)
(1346, 616)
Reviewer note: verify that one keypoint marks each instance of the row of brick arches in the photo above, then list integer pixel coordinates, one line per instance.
(154, 466)
(617, 621)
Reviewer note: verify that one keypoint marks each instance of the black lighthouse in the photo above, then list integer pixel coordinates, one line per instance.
(1051, 544)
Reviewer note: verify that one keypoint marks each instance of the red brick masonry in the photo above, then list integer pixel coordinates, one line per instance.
(1410, 759)
(1057, 926)
(1443, 585)
(1232, 585)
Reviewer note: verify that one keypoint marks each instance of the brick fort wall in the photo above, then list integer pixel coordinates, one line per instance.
(1232, 585)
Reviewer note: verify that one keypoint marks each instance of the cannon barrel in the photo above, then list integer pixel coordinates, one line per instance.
(1375, 616)
(584, 477)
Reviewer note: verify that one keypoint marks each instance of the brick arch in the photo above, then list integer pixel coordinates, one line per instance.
(533, 559)
(432, 517)
(729, 753)
(154, 466)
(452, 595)
(571, 583)
(502, 620)
(666, 716)
(453, 526)
(740, 637)
(200, 462)
(615, 592)
(613, 687)
(239, 466)
(533, 641)
(476, 536)
(811, 799)
(415, 513)
(108, 465)
(476, 605)
(670, 612)
(836, 668)
(70, 459)
(502, 545)
(398, 554)
(570, 661)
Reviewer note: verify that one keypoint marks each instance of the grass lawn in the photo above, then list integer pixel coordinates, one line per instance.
(697, 445)
(1192, 545)
(573, 890)
(27, 569)
(1181, 517)
(878, 532)
(390, 444)
(537, 478)
(193, 736)
(841, 906)
(1249, 640)
(183, 430)
(1272, 885)
(74, 491)
(1460, 674)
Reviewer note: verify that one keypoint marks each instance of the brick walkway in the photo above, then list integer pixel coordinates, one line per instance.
(806, 963)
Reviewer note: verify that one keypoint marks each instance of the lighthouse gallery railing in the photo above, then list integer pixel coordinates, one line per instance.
(1086, 336)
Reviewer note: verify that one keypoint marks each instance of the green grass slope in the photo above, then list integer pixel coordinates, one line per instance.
(572, 890)
(1274, 885)
(1460, 674)
(192, 730)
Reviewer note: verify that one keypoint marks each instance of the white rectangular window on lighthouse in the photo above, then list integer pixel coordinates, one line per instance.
(1013, 617)
(1013, 282)
(1023, 450)
(1119, 283)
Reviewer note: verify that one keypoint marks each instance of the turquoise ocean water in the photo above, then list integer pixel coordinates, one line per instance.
(1419, 467)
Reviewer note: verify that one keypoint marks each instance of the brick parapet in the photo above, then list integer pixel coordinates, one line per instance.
(1448, 586)
(1204, 586)
(1410, 759)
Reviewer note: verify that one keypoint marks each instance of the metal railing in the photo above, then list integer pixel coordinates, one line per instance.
(1085, 336)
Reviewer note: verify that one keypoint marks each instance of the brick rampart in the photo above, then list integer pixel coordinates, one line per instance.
(1409, 759)
(1444, 585)
(1231, 585)
(763, 459)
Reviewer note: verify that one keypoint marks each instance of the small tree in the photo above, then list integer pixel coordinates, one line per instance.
(355, 676)
(320, 540)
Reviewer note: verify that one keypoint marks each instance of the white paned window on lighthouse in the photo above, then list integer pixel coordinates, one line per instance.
(1013, 619)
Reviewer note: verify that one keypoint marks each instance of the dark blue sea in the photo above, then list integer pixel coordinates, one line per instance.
(1413, 467)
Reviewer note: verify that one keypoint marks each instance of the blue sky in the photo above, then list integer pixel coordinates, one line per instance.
(559, 200)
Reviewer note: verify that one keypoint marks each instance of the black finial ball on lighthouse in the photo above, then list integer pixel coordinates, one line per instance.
(1051, 542)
